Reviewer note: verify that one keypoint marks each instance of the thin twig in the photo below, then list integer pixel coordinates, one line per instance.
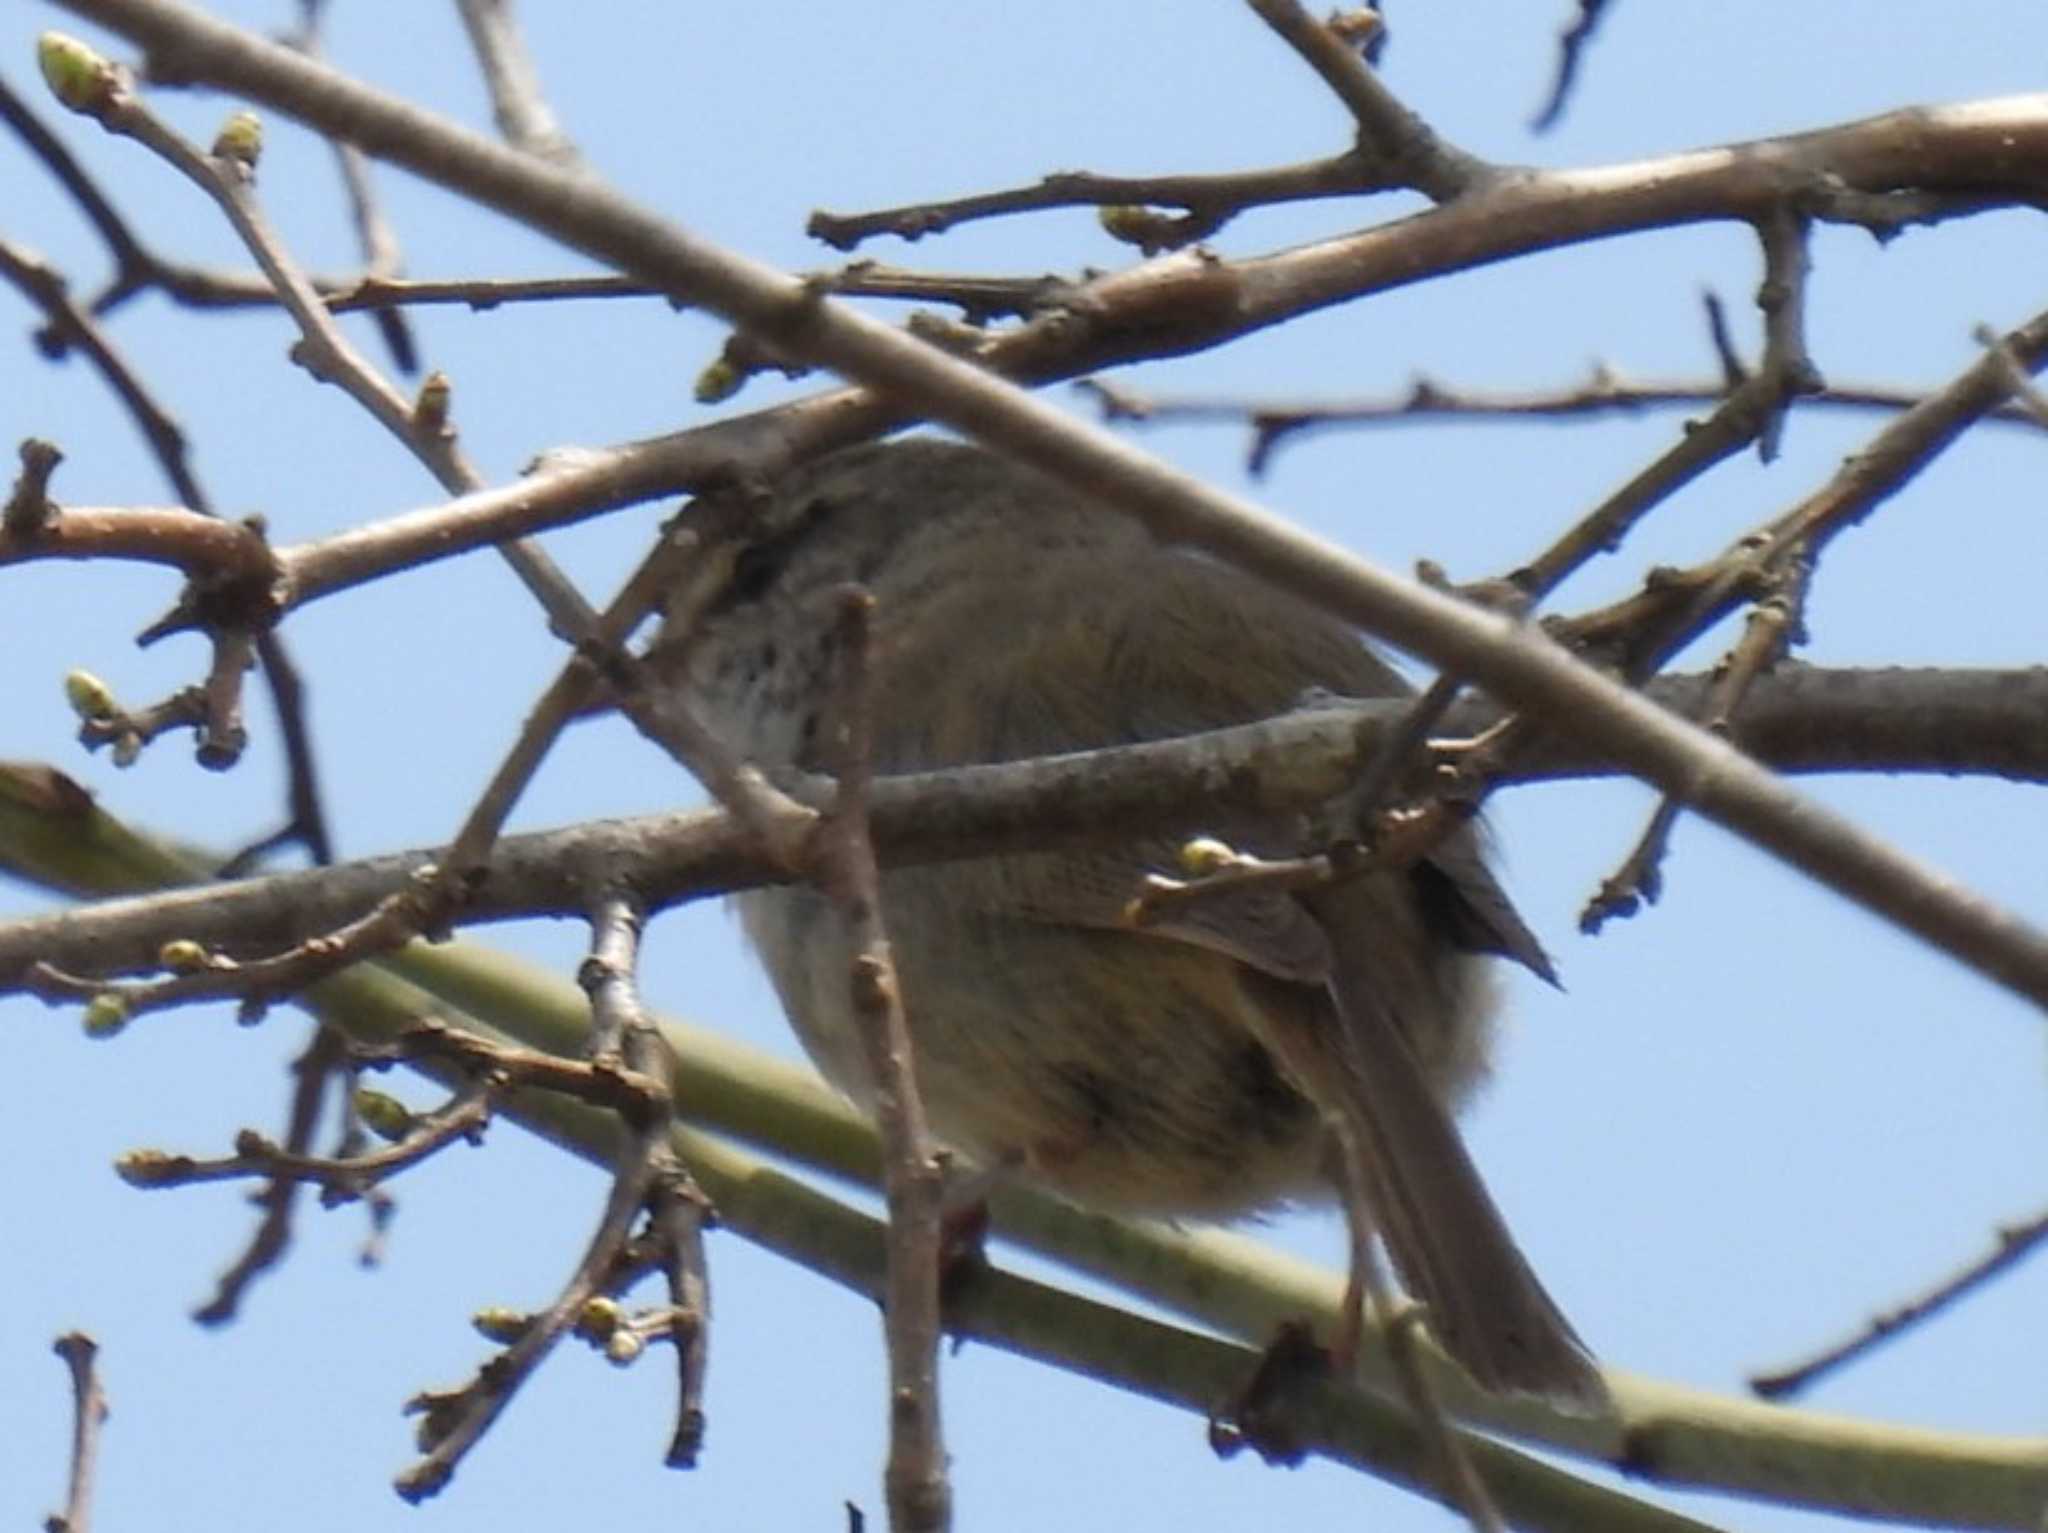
(1389, 133)
(341, 1179)
(1572, 44)
(1677, 605)
(517, 102)
(1744, 416)
(1210, 199)
(1773, 622)
(677, 1210)
(1226, 873)
(1426, 401)
(137, 268)
(68, 325)
(915, 1477)
(324, 351)
(2014, 1244)
(312, 1071)
(453, 1422)
(1785, 372)
(2031, 401)
(88, 1414)
(1781, 296)
(306, 820)
(677, 1215)
(257, 982)
(375, 236)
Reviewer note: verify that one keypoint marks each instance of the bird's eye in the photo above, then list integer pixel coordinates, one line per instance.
(755, 570)
(761, 563)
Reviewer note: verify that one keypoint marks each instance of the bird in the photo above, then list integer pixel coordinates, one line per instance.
(1241, 1053)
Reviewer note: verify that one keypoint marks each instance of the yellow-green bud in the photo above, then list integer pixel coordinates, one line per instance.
(383, 1114)
(106, 1014)
(143, 1168)
(181, 955)
(90, 698)
(501, 1325)
(1201, 855)
(718, 382)
(77, 76)
(240, 139)
(624, 1347)
(601, 1318)
(1115, 216)
(1131, 225)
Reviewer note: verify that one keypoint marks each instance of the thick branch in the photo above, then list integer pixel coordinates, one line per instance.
(1802, 719)
(1675, 1436)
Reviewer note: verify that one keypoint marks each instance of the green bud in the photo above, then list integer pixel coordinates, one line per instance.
(501, 1325)
(106, 1014)
(144, 1168)
(77, 76)
(718, 383)
(181, 955)
(624, 1347)
(382, 1114)
(90, 698)
(1205, 854)
(1147, 228)
(240, 139)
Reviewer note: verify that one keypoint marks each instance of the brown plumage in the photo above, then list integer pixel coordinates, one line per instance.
(1190, 1068)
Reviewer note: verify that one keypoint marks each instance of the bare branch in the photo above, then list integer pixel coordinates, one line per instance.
(915, 1477)
(306, 820)
(312, 1073)
(2014, 1244)
(1603, 392)
(1572, 44)
(1805, 720)
(88, 1414)
(1389, 134)
(226, 177)
(28, 510)
(1209, 199)
(522, 112)
(644, 1172)
(374, 233)
(343, 1179)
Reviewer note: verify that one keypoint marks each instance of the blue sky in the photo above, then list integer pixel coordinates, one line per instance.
(1754, 1116)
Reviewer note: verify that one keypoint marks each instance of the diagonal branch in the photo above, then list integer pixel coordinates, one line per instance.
(1806, 720)
(1388, 132)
